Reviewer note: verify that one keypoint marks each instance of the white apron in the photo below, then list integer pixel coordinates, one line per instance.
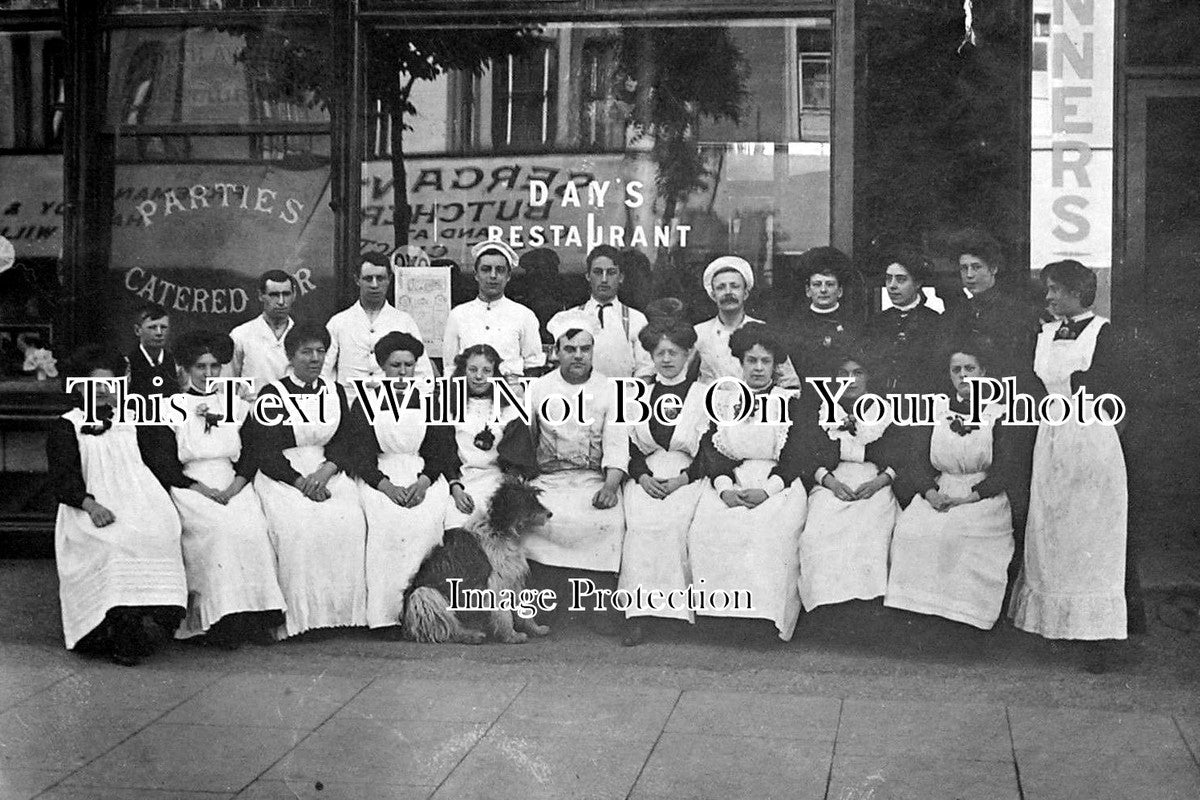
(135, 561)
(750, 550)
(398, 538)
(1072, 584)
(320, 546)
(655, 552)
(579, 535)
(226, 548)
(954, 564)
(480, 473)
(844, 547)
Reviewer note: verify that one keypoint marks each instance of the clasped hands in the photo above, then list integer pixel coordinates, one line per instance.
(944, 502)
(748, 498)
(222, 496)
(866, 490)
(409, 496)
(313, 486)
(658, 488)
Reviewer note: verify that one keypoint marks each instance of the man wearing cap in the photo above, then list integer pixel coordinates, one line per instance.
(825, 325)
(581, 462)
(618, 353)
(906, 333)
(728, 281)
(491, 318)
(353, 333)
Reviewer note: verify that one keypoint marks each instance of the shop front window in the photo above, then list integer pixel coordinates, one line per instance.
(681, 141)
(31, 235)
(220, 147)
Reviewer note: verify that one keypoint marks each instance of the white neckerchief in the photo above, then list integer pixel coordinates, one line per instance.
(678, 379)
(816, 310)
(150, 360)
(910, 306)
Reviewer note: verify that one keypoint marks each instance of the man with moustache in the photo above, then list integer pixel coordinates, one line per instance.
(728, 280)
(258, 350)
(905, 334)
(492, 318)
(353, 333)
(582, 462)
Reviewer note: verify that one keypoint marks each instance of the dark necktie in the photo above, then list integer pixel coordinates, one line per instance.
(600, 312)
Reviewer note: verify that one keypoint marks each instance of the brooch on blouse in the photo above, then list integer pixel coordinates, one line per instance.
(850, 425)
(485, 439)
(210, 419)
(959, 425)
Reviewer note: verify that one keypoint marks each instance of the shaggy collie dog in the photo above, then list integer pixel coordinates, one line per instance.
(484, 554)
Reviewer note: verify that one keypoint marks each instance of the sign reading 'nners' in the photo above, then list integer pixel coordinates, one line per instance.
(1072, 167)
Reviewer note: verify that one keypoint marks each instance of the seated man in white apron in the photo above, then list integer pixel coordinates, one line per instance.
(581, 465)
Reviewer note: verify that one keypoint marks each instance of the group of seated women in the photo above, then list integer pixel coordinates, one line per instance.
(245, 531)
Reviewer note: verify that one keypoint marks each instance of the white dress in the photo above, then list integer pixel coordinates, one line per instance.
(655, 553)
(136, 560)
(752, 551)
(226, 548)
(320, 546)
(844, 547)
(398, 538)
(572, 458)
(954, 564)
(1072, 584)
(480, 470)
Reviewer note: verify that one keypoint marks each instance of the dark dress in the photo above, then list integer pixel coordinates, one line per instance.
(907, 346)
(812, 338)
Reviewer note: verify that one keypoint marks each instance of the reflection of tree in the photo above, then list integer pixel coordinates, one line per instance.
(398, 58)
(296, 66)
(682, 75)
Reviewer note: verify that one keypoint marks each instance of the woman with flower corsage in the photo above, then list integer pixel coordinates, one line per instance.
(484, 449)
(851, 509)
(1073, 581)
(116, 539)
(399, 462)
(233, 588)
(312, 508)
(744, 533)
(661, 497)
(953, 544)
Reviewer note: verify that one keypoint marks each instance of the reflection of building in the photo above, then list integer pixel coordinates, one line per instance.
(199, 150)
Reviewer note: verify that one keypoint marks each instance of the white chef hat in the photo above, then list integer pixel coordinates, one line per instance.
(494, 246)
(736, 263)
(571, 319)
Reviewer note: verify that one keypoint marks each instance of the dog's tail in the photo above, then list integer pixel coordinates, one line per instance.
(427, 617)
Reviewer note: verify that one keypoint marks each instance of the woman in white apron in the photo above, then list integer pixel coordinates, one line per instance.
(953, 544)
(1072, 584)
(399, 462)
(233, 588)
(744, 533)
(312, 508)
(851, 509)
(661, 496)
(116, 539)
(486, 445)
